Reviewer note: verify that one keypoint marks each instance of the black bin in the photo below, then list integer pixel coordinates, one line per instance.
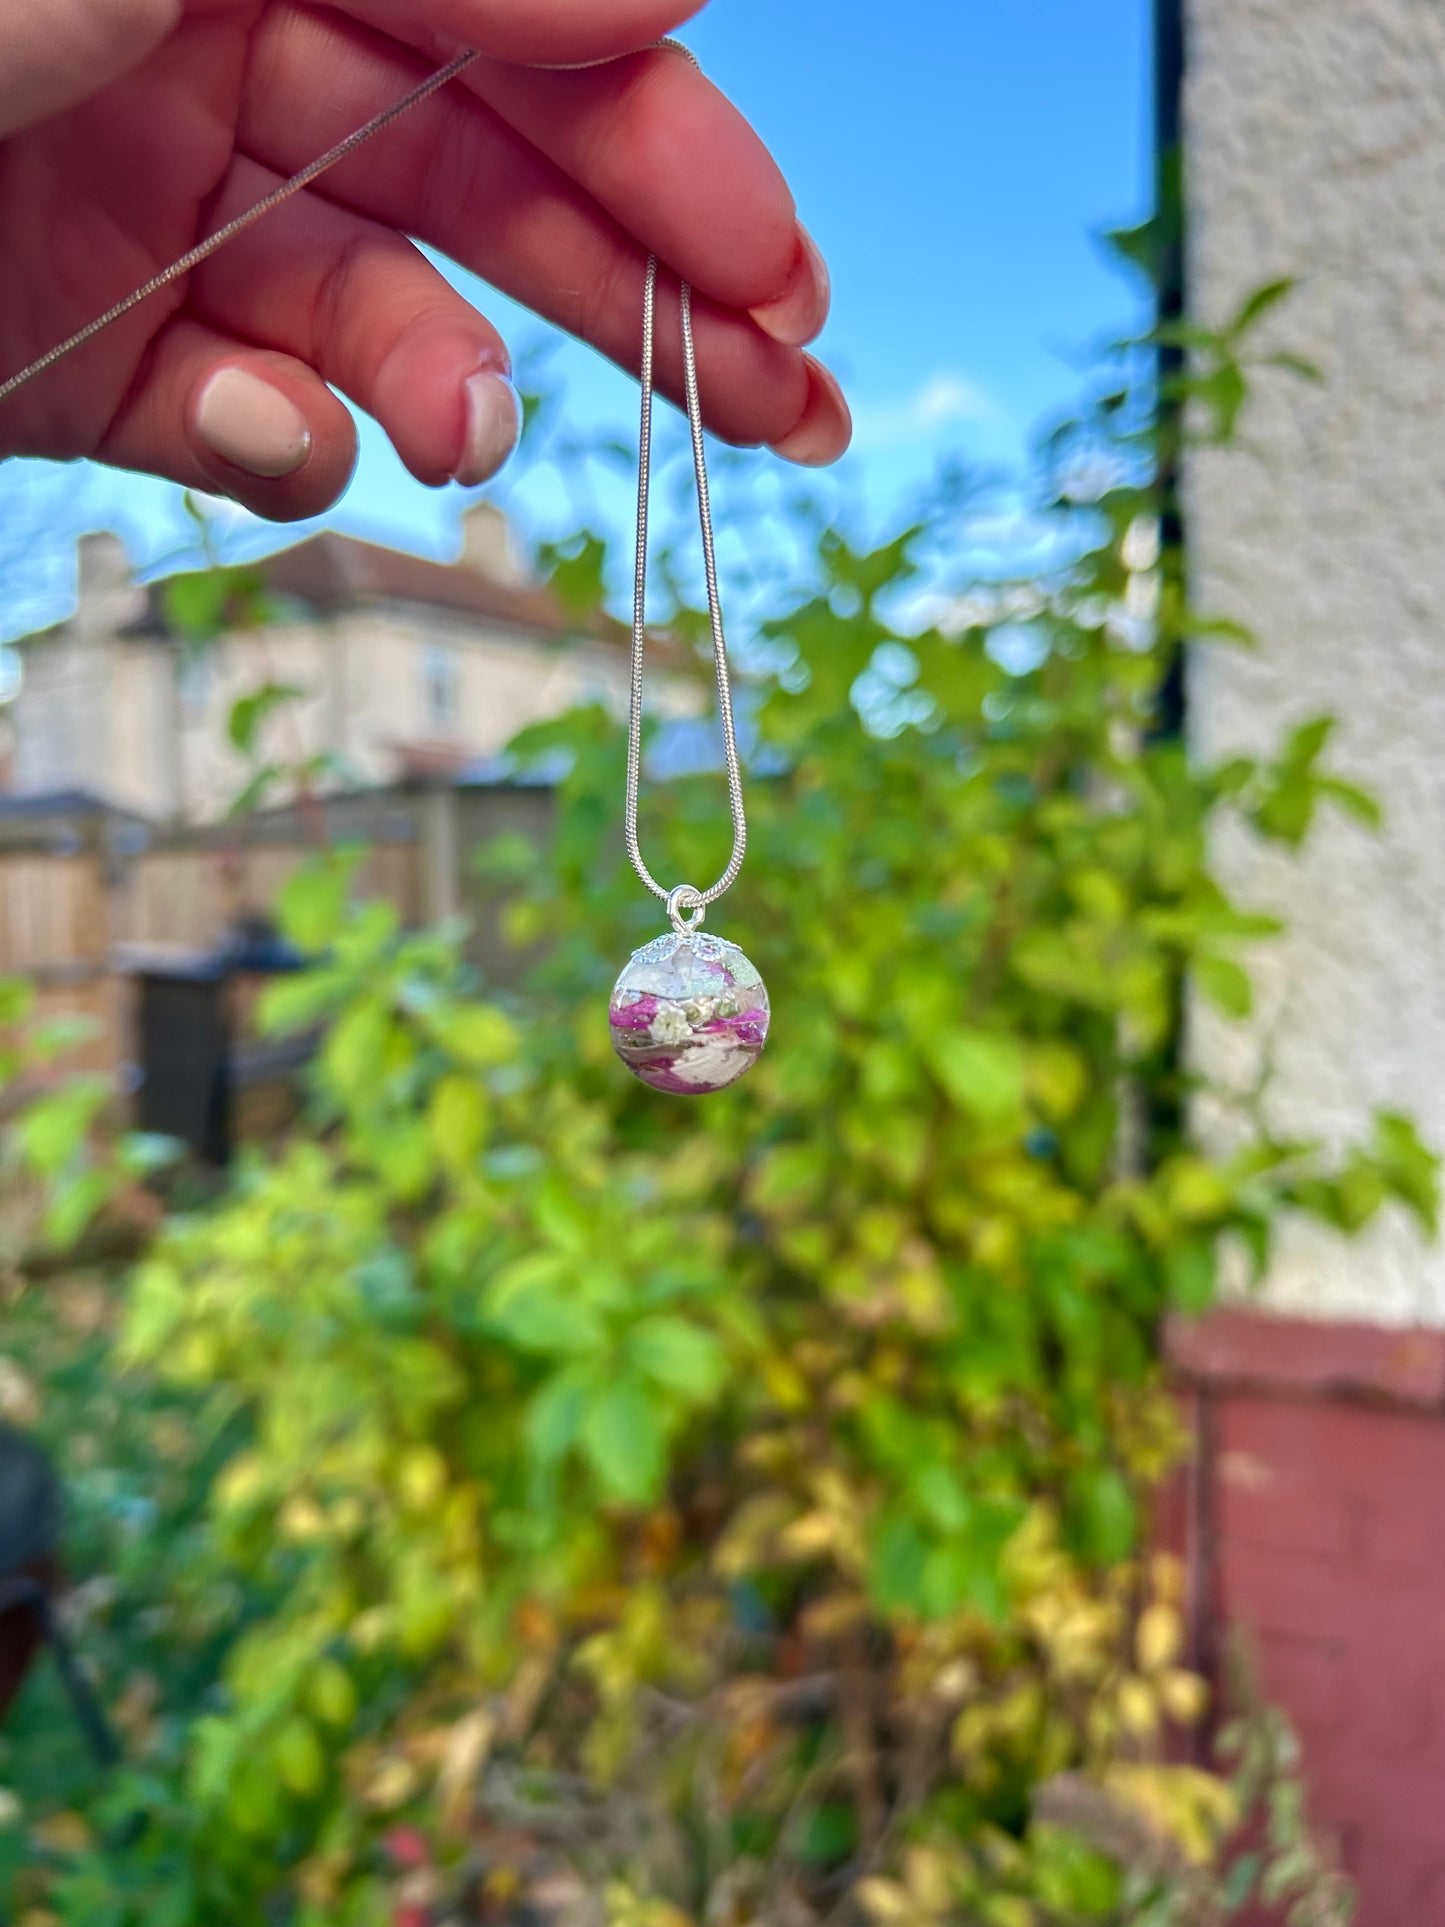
(183, 1027)
(191, 1065)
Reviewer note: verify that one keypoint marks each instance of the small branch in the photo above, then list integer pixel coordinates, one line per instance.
(860, 1758)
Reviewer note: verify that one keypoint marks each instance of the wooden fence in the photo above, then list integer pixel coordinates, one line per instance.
(88, 898)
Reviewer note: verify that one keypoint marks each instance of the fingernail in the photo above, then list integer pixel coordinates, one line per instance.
(252, 424)
(494, 426)
(798, 314)
(826, 427)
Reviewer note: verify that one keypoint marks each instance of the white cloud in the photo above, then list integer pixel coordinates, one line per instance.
(943, 400)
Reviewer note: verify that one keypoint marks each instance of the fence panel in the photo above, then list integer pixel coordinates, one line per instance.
(52, 913)
(77, 918)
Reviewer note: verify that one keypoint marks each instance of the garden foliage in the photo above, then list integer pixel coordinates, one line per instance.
(737, 1510)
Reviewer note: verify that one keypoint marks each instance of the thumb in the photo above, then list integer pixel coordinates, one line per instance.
(59, 52)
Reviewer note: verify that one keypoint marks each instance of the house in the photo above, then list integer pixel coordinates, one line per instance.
(1314, 147)
(409, 669)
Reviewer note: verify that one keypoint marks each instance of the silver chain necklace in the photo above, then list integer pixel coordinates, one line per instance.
(683, 896)
(203, 250)
(690, 1013)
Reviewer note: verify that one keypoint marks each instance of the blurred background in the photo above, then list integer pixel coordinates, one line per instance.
(955, 178)
(988, 1468)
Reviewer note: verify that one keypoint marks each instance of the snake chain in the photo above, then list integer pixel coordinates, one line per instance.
(683, 896)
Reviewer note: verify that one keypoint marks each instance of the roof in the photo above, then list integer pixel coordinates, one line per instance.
(333, 572)
(62, 821)
(42, 805)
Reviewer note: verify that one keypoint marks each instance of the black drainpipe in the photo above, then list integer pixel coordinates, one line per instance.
(1169, 69)
(1170, 203)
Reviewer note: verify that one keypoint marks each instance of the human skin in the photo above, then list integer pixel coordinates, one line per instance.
(129, 129)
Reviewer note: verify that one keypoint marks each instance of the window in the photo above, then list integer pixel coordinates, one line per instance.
(441, 673)
(195, 680)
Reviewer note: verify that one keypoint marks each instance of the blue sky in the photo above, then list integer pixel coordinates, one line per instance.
(954, 159)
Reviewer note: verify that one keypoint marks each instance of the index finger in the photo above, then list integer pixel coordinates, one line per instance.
(533, 32)
(654, 142)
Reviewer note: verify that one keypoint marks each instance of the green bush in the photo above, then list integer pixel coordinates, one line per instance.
(737, 1507)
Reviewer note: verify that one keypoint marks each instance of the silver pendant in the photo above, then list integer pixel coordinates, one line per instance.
(689, 1014)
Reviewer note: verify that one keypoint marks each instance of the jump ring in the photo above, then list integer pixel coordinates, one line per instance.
(685, 896)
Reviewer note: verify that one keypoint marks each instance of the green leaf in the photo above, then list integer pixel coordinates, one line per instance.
(828, 1834)
(300, 1757)
(1224, 983)
(58, 1035)
(1300, 365)
(332, 1694)
(254, 791)
(311, 907)
(982, 1072)
(1189, 1270)
(1412, 1168)
(55, 1127)
(76, 1205)
(898, 1564)
(354, 1052)
(950, 1576)
(479, 1035)
(1146, 247)
(941, 1495)
(554, 1418)
(297, 1003)
(1308, 740)
(1255, 306)
(679, 1355)
(201, 603)
(1107, 1516)
(402, 1154)
(251, 713)
(789, 1176)
(1057, 1079)
(579, 575)
(158, 1307)
(1240, 1880)
(17, 999)
(622, 1436)
(458, 1120)
(1223, 392)
(1353, 800)
(535, 1320)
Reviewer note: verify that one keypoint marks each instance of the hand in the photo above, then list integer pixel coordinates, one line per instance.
(135, 127)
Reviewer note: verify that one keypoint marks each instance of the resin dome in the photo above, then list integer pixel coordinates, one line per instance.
(689, 1014)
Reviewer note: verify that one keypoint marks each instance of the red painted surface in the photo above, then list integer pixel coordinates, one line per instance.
(1317, 1521)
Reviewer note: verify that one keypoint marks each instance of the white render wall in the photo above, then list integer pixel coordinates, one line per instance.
(1316, 148)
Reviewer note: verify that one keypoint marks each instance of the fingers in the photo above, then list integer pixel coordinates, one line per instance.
(648, 139)
(651, 140)
(670, 158)
(364, 308)
(455, 174)
(561, 31)
(54, 55)
(214, 414)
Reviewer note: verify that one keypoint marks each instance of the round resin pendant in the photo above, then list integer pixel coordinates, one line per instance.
(689, 1014)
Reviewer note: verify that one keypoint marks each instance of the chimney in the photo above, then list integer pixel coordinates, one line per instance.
(107, 596)
(487, 546)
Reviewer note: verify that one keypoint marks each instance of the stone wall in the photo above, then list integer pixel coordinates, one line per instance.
(1315, 134)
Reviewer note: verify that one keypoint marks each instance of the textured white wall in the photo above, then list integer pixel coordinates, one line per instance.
(1316, 137)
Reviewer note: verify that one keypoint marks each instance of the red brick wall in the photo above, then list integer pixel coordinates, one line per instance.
(1317, 1520)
